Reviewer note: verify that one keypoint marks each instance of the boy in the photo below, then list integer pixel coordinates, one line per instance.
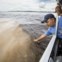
(50, 20)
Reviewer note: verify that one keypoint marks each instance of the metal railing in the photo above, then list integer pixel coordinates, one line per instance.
(48, 50)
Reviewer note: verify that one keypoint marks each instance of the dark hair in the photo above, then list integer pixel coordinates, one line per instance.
(60, 2)
(58, 8)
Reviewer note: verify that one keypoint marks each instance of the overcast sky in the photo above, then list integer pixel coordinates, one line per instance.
(9, 5)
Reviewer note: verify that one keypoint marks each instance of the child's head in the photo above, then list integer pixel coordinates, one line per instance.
(50, 20)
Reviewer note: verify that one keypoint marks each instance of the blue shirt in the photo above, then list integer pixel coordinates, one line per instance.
(50, 31)
(59, 33)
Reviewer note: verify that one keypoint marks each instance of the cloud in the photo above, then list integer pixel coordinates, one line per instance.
(8, 5)
(16, 4)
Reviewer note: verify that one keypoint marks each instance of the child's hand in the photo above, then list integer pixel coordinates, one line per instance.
(35, 40)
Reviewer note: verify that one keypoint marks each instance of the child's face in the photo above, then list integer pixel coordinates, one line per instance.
(51, 22)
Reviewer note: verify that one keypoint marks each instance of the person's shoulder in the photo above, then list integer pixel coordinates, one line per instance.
(49, 29)
(52, 27)
(60, 18)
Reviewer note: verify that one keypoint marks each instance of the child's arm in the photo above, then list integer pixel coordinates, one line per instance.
(40, 38)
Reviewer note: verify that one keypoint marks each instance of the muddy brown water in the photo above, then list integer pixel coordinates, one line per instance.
(16, 45)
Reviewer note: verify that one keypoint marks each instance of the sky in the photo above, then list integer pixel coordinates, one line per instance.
(24, 5)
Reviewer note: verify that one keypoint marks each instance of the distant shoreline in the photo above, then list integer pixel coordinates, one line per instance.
(31, 11)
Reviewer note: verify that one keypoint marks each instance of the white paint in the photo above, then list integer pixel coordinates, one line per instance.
(48, 50)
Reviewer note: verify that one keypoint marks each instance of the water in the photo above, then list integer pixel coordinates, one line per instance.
(16, 45)
(24, 17)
